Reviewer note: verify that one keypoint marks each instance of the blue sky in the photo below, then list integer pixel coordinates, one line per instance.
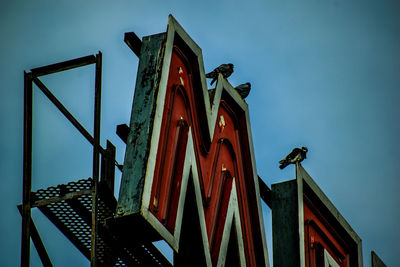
(324, 74)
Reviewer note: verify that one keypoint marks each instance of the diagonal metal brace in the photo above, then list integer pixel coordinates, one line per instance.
(37, 241)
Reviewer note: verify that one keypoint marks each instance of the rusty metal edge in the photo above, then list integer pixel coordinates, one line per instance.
(72, 195)
(62, 66)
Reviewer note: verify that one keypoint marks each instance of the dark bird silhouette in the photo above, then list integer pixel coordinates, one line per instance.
(297, 155)
(243, 89)
(225, 69)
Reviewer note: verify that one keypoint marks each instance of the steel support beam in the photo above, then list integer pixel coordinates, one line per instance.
(37, 241)
(123, 132)
(27, 171)
(66, 113)
(66, 65)
(96, 159)
(265, 192)
(47, 201)
(134, 42)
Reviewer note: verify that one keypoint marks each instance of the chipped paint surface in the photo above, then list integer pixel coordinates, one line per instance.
(188, 138)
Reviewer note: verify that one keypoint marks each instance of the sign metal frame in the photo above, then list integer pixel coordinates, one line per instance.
(136, 187)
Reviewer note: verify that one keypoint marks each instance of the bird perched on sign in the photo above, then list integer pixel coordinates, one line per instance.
(225, 69)
(243, 89)
(297, 155)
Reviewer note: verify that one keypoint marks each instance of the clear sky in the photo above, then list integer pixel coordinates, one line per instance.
(324, 74)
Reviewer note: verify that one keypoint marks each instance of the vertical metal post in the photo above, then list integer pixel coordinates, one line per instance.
(37, 241)
(27, 171)
(108, 167)
(96, 159)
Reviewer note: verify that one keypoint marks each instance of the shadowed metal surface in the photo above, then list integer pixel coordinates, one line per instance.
(72, 216)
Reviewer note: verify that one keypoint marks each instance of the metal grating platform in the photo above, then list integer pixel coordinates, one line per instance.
(69, 207)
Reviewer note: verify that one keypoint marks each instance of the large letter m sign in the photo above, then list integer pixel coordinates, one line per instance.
(189, 173)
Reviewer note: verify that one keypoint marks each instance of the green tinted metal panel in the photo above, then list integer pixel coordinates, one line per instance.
(285, 224)
(141, 124)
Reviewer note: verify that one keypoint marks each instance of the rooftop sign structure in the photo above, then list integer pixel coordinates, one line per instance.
(189, 177)
(189, 172)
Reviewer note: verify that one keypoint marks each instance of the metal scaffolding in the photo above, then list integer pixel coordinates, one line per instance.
(79, 209)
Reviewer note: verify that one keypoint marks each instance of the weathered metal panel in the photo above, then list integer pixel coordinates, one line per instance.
(141, 125)
(177, 137)
(285, 224)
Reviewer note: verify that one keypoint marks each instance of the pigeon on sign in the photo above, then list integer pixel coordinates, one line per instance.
(243, 89)
(297, 155)
(225, 69)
